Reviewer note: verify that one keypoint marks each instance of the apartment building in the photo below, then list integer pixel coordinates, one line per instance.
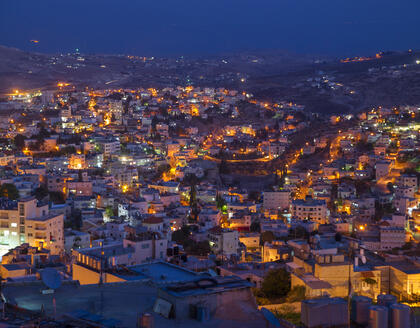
(311, 209)
(28, 221)
(276, 200)
(224, 241)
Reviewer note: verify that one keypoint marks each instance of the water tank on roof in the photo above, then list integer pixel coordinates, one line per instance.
(145, 320)
(378, 316)
(386, 299)
(400, 315)
(360, 309)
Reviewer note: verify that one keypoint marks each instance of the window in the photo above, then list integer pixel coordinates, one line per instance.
(14, 233)
(13, 225)
(144, 246)
(21, 209)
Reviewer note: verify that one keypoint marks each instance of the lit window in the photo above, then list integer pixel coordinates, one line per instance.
(13, 225)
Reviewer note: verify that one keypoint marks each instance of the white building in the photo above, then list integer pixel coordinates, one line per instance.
(224, 241)
(27, 221)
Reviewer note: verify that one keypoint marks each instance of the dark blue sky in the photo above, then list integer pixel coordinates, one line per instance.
(167, 27)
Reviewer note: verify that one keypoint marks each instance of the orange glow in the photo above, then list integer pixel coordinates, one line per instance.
(194, 111)
(62, 84)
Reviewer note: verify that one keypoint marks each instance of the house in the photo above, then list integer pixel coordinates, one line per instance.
(276, 200)
(223, 241)
(310, 209)
(74, 239)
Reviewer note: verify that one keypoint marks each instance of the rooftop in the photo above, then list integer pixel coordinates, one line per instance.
(120, 303)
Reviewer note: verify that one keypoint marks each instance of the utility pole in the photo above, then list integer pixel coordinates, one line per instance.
(349, 286)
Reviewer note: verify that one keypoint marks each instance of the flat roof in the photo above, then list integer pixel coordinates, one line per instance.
(119, 303)
(162, 272)
(210, 285)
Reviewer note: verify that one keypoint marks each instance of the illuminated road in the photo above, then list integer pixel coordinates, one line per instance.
(255, 160)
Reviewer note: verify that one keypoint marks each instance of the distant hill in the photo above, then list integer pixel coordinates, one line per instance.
(323, 85)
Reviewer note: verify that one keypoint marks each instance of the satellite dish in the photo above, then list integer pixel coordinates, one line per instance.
(51, 278)
(270, 317)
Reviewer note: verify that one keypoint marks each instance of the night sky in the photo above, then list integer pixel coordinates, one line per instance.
(175, 27)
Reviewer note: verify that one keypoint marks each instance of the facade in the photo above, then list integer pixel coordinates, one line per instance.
(93, 264)
(276, 200)
(28, 221)
(392, 237)
(311, 209)
(224, 241)
(74, 239)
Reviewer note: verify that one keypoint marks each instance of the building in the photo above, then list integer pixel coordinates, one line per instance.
(276, 200)
(77, 162)
(408, 180)
(275, 251)
(391, 237)
(93, 264)
(74, 239)
(220, 301)
(223, 241)
(382, 168)
(328, 275)
(310, 209)
(29, 221)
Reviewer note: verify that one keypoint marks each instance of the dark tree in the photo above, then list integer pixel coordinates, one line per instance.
(338, 237)
(41, 192)
(266, 236)
(255, 227)
(9, 191)
(276, 283)
(19, 141)
(223, 167)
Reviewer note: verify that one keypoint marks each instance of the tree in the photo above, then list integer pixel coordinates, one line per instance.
(338, 237)
(266, 236)
(223, 168)
(221, 203)
(276, 283)
(296, 294)
(163, 168)
(19, 141)
(76, 219)
(41, 192)
(109, 211)
(76, 243)
(255, 227)
(57, 197)
(390, 187)
(254, 195)
(192, 180)
(181, 235)
(9, 191)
